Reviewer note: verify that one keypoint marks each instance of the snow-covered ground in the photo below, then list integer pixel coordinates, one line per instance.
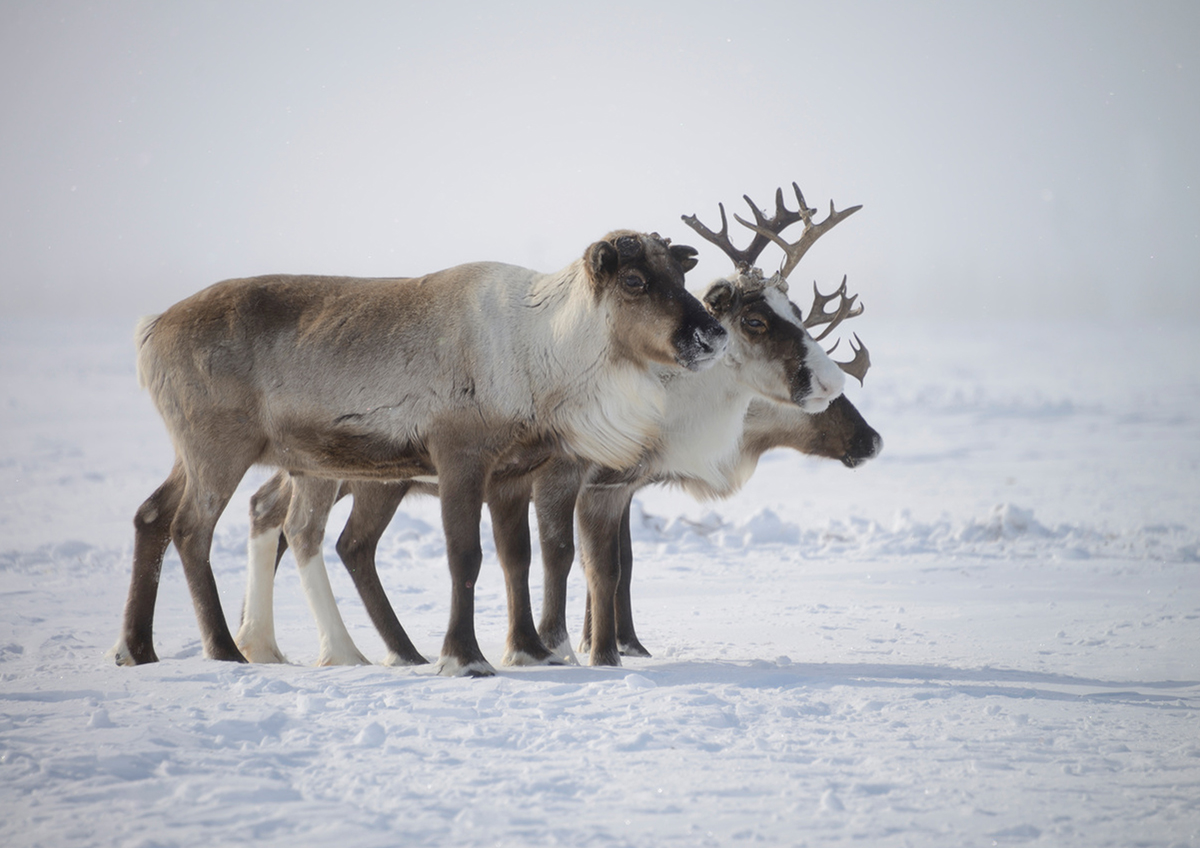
(990, 635)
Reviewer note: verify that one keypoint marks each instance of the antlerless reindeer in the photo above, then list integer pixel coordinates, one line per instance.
(455, 374)
(771, 363)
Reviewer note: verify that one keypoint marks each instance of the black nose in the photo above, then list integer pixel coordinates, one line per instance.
(866, 445)
(708, 339)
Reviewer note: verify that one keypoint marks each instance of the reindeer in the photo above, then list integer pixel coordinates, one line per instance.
(456, 375)
(771, 360)
(840, 433)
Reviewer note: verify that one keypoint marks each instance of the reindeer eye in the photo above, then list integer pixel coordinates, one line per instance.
(754, 324)
(634, 283)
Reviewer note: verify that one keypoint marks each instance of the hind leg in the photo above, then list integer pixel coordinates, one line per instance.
(268, 509)
(215, 457)
(152, 534)
(304, 527)
(627, 640)
(508, 502)
(600, 509)
(554, 494)
(374, 506)
(204, 499)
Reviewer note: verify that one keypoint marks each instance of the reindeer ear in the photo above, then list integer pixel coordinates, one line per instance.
(684, 255)
(719, 298)
(602, 260)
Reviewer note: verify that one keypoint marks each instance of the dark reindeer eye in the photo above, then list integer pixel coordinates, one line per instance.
(634, 283)
(754, 324)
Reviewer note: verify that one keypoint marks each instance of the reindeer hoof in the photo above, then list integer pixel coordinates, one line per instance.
(263, 655)
(453, 667)
(563, 651)
(611, 657)
(257, 651)
(403, 660)
(123, 656)
(634, 649)
(223, 651)
(524, 658)
(342, 658)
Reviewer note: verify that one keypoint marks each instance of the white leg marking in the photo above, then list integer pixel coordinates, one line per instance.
(565, 652)
(120, 653)
(337, 648)
(450, 667)
(256, 637)
(395, 660)
(520, 658)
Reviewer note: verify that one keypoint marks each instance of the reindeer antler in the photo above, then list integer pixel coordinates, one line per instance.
(765, 229)
(859, 365)
(812, 232)
(818, 315)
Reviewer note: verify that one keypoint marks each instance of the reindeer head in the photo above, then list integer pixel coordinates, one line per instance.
(839, 432)
(770, 341)
(639, 277)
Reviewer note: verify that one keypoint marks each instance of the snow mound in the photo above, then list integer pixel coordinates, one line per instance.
(1008, 530)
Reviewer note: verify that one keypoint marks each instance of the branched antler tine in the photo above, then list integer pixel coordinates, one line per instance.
(860, 364)
(818, 315)
(742, 259)
(838, 316)
(795, 252)
(767, 229)
(805, 213)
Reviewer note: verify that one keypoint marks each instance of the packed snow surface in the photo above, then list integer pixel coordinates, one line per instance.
(989, 635)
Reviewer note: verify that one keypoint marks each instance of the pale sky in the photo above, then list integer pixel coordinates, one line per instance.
(1012, 158)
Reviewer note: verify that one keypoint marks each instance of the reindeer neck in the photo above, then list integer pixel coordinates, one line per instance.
(612, 412)
(702, 431)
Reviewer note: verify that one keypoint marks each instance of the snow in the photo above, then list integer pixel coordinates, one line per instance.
(986, 636)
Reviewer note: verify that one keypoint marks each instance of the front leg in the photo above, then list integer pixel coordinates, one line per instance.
(461, 483)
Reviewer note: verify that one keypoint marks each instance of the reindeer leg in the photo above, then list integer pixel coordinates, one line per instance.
(152, 534)
(555, 492)
(374, 506)
(627, 639)
(312, 498)
(508, 503)
(600, 509)
(461, 486)
(208, 490)
(268, 509)
(585, 641)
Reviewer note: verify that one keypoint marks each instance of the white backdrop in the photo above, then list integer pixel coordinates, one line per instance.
(1012, 158)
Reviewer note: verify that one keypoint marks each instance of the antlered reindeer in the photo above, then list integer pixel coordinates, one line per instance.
(770, 357)
(603, 502)
(455, 375)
